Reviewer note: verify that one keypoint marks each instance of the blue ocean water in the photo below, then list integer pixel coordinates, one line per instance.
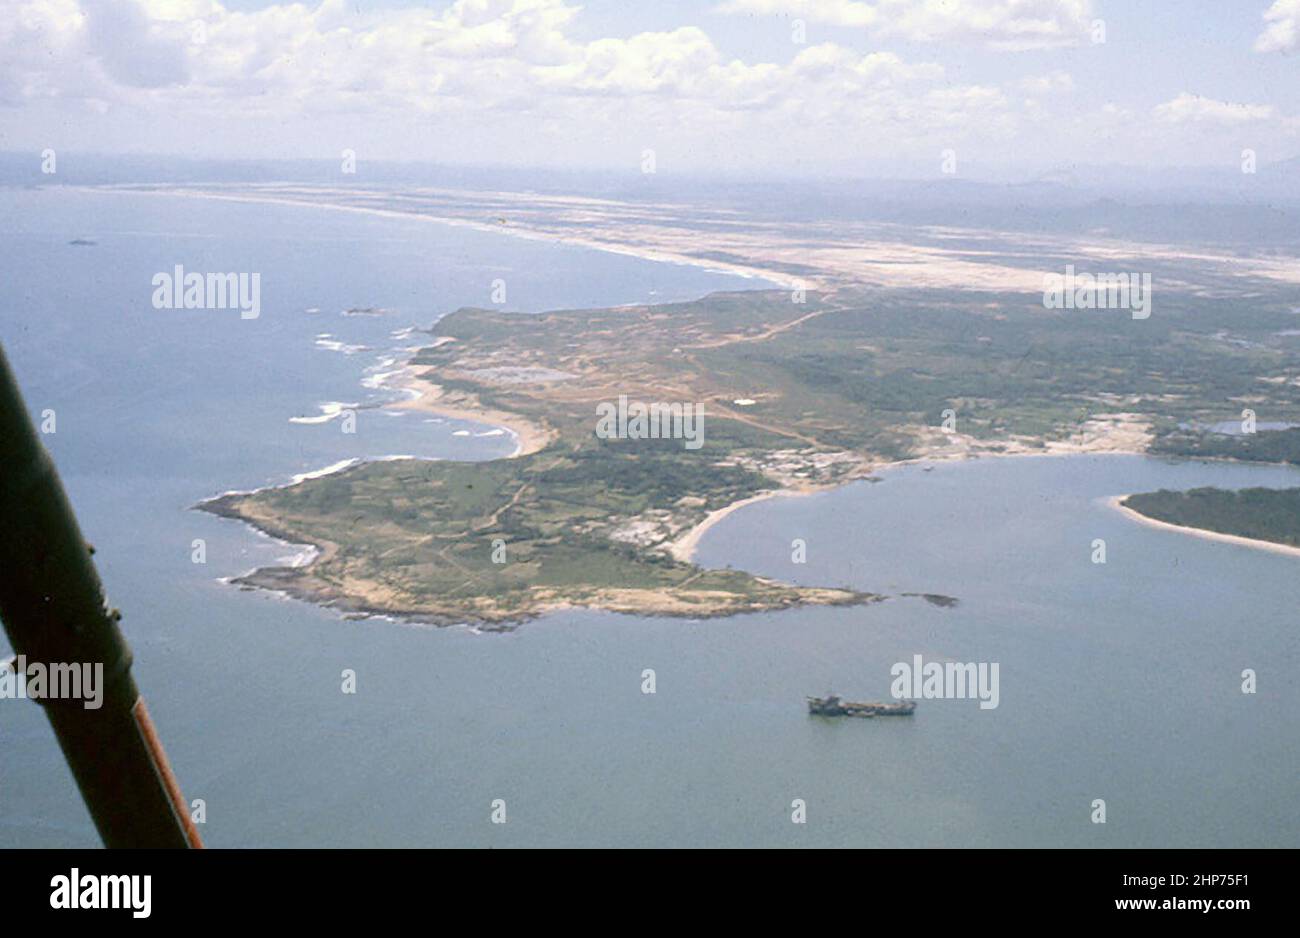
(1118, 681)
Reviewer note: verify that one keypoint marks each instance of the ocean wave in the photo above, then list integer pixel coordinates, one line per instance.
(327, 471)
(379, 380)
(333, 345)
(330, 410)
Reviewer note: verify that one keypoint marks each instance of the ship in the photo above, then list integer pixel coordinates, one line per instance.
(833, 706)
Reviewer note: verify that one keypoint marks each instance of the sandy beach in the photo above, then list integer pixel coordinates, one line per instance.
(668, 254)
(433, 399)
(1109, 434)
(683, 548)
(1116, 502)
(853, 256)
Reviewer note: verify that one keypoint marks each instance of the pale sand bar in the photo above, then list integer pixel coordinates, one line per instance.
(1116, 500)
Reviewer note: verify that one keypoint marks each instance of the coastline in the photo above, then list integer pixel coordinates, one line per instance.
(1107, 433)
(298, 582)
(776, 278)
(363, 600)
(1117, 502)
(684, 547)
(430, 398)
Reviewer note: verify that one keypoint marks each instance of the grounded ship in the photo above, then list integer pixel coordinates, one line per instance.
(832, 706)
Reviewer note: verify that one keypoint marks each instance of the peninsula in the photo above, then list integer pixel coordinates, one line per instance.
(798, 392)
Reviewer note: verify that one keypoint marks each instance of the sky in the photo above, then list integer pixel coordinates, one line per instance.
(738, 87)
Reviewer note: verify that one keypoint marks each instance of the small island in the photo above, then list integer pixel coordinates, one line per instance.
(1257, 517)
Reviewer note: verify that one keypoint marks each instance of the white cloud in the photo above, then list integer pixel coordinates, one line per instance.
(518, 81)
(132, 52)
(677, 62)
(40, 43)
(1190, 108)
(1057, 82)
(475, 56)
(1282, 34)
(1002, 24)
(852, 13)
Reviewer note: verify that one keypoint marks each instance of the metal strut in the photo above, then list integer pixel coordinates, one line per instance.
(52, 604)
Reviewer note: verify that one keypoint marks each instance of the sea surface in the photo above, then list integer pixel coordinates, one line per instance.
(1118, 681)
